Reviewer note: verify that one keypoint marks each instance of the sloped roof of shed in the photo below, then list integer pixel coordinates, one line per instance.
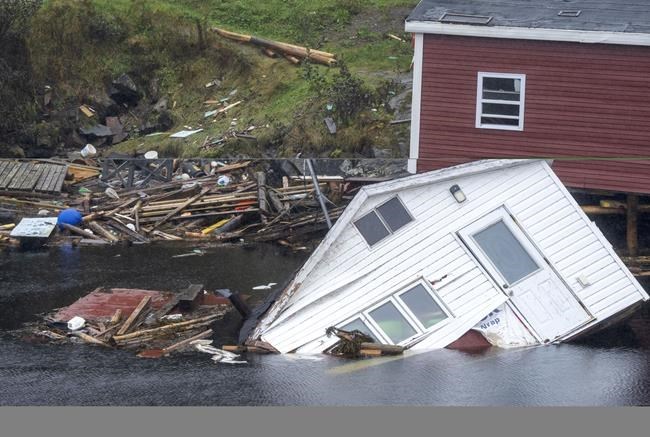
(631, 16)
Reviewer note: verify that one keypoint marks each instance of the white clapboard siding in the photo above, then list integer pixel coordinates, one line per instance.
(345, 277)
(441, 212)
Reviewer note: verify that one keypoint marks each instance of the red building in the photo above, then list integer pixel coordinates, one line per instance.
(565, 80)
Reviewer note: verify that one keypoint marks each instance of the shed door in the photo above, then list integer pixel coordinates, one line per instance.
(513, 261)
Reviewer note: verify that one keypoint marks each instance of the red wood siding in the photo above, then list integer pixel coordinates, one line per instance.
(583, 101)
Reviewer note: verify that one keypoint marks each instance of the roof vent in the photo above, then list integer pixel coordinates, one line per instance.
(451, 17)
(571, 13)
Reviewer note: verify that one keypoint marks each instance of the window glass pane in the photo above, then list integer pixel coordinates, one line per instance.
(500, 109)
(423, 306)
(394, 214)
(501, 95)
(506, 253)
(392, 322)
(502, 84)
(372, 229)
(500, 121)
(359, 325)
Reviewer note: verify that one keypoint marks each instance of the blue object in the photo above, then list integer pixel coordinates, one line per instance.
(70, 216)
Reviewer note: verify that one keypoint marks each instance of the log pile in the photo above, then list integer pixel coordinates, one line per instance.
(291, 52)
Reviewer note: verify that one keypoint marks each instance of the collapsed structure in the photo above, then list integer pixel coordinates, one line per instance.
(422, 260)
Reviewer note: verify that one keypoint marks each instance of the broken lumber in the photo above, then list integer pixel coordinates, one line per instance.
(88, 339)
(179, 208)
(295, 51)
(134, 315)
(185, 342)
(80, 231)
(386, 349)
(102, 231)
(166, 328)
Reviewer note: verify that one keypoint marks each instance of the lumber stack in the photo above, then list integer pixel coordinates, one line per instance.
(292, 52)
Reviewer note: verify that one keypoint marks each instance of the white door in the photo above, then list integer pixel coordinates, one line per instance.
(513, 261)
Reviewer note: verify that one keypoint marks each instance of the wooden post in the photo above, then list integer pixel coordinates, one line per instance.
(632, 227)
(134, 315)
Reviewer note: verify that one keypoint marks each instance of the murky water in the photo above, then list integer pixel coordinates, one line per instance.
(611, 372)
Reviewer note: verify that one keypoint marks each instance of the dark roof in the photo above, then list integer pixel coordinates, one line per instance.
(596, 15)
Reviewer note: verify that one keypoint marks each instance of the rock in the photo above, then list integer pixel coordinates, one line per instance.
(156, 122)
(381, 153)
(123, 90)
(161, 105)
(7, 151)
(117, 129)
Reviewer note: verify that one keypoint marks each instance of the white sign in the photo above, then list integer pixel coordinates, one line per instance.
(40, 227)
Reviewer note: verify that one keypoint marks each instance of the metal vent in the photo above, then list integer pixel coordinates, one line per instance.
(569, 13)
(451, 17)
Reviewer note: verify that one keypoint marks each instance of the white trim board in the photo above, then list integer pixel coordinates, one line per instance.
(416, 103)
(541, 34)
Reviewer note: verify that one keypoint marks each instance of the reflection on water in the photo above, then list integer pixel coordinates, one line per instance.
(615, 372)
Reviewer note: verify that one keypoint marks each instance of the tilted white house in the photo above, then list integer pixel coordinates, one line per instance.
(421, 260)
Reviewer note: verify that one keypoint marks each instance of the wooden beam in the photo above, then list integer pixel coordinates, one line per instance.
(632, 224)
(179, 208)
(134, 315)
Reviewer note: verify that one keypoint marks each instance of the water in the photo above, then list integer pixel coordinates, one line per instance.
(613, 371)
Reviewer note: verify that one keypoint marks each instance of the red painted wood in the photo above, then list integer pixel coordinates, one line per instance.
(583, 101)
(470, 340)
(102, 303)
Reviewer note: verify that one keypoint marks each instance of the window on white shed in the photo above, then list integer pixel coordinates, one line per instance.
(382, 221)
(500, 101)
(402, 316)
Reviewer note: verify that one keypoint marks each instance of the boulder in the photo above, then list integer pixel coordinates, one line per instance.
(123, 90)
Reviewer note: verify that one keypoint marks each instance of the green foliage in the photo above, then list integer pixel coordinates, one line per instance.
(16, 87)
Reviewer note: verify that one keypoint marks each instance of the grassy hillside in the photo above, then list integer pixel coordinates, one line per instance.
(79, 46)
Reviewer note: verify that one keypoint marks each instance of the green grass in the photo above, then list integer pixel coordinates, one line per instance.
(157, 39)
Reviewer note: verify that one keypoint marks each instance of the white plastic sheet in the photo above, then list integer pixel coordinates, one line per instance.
(503, 328)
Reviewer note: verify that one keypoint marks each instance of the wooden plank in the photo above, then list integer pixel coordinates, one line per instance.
(632, 228)
(8, 165)
(3, 166)
(18, 178)
(187, 341)
(10, 175)
(45, 179)
(134, 315)
(55, 177)
(178, 209)
(30, 179)
(58, 185)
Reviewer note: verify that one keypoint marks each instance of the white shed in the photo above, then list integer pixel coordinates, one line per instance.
(421, 260)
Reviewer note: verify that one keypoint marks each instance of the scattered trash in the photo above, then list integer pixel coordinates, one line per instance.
(331, 126)
(76, 323)
(265, 287)
(89, 151)
(218, 355)
(195, 252)
(110, 192)
(223, 180)
(69, 216)
(152, 154)
(185, 133)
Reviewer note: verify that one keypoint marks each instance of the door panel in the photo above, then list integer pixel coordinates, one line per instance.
(514, 262)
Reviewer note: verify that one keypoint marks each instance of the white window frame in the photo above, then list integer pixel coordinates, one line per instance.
(383, 222)
(404, 310)
(480, 100)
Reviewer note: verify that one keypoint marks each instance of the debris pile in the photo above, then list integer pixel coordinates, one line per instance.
(152, 323)
(143, 199)
(355, 344)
